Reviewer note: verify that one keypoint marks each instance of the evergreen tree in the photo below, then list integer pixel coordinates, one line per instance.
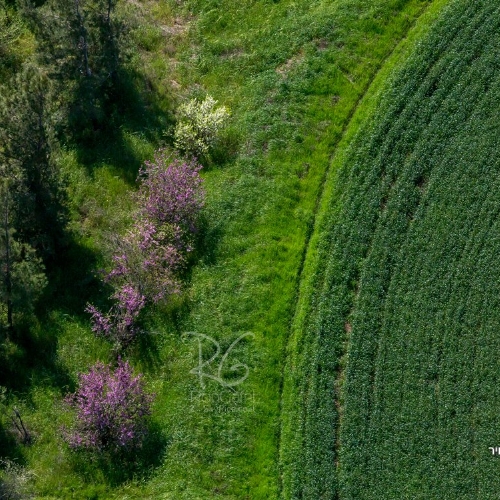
(22, 276)
(26, 159)
(10, 32)
(79, 45)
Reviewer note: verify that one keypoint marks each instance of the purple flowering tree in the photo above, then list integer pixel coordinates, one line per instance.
(171, 193)
(119, 324)
(170, 200)
(111, 406)
(148, 259)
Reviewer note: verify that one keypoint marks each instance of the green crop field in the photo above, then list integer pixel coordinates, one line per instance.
(292, 74)
(405, 307)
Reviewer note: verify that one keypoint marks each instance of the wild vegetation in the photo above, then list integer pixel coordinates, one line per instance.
(148, 258)
(111, 409)
(197, 288)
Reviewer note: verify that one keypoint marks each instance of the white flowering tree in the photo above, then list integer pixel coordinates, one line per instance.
(199, 126)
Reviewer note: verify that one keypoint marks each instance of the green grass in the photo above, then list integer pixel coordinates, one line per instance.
(292, 74)
(405, 309)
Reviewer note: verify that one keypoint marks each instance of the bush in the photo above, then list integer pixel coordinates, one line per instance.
(171, 194)
(199, 126)
(148, 258)
(119, 324)
(112, 407)
(15, 481)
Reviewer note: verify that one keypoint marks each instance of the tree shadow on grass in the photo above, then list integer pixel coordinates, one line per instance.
(132, 108)
(117, 468)
(145, 348)
(31, 359)
(162, 320)
(74, 282)
(225, 151)
(209, 242)
(9, 447)
(31, 354)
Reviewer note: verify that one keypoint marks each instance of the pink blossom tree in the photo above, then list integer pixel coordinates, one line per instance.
(171, 193)
(119, 324)
(148, 259)
(111, 406)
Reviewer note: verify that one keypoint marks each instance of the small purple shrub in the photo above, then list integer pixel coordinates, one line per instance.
(101, 323)
(130, 302)
(148, 262)
(111, 407)
(171, 192)
(119, 325)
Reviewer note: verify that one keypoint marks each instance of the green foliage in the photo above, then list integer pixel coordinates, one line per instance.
(16, 482)
(148, 37)
(16, 41)
(77, 40)
(79, 45)
(405, 312)
(11, 29)
(199, 127)
(292, 73)
(22, 276)
(28, 277)
(10, 32)
(27, 111)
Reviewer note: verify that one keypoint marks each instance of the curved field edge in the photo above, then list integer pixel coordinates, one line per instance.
(314, 366)
(421, 389)
(413, 241)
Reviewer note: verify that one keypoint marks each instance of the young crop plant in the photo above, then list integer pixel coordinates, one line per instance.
(410, 241)
(112, 407)
(199, 127)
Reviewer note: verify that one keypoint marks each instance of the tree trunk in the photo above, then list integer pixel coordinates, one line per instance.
(108, 16)
(8, 266)
(84, 39)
